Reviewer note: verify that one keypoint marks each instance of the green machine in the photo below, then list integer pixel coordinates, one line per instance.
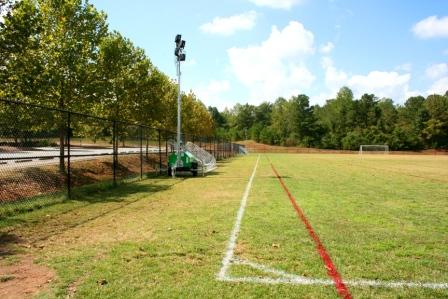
(188, 163)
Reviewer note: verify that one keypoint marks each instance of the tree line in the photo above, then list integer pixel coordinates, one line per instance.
(61, 54)
(341, 123)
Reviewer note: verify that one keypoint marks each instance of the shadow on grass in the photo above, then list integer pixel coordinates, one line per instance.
(213, 173)
(117, 195)
(107, 192)
(87, 204)
(8, 244)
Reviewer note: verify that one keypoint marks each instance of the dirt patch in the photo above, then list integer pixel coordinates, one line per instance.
(73, 287)
(24, 279)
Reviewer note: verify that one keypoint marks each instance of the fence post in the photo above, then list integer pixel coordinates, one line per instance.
(160, 153)
(147, 146)
(219, 149)
(69, 177)
(114, 151)
(166, 148)
(208, 143)
(141, 152)
(224, 144)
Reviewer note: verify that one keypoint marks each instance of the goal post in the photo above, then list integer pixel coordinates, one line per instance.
(373, 149)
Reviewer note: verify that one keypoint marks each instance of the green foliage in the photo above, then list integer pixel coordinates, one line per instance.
(61, 54)
(342, 123)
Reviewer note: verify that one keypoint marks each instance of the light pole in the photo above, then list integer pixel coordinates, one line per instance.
(180, 56)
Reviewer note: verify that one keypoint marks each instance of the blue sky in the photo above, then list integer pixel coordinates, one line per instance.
(241, 51)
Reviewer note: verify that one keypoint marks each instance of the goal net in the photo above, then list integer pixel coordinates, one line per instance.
(207, 161)
(373, 149)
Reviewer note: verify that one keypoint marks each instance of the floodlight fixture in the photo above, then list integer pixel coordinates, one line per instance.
(182, 44)
(178, 38)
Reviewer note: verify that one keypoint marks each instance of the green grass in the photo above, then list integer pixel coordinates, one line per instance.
(380, 217)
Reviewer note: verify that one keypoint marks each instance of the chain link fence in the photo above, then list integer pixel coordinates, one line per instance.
(48, 154)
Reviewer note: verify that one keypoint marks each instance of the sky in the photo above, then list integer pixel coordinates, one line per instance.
(250, 51)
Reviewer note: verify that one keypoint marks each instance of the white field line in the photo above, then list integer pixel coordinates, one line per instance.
(236, 228)
(287, 278)
(282, 274)
(356, 282)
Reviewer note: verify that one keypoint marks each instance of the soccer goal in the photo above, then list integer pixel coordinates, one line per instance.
(373, 149)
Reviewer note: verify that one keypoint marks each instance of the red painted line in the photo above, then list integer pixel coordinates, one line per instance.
(329, 265)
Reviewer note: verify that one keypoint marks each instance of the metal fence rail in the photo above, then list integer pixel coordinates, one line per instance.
(46, 154)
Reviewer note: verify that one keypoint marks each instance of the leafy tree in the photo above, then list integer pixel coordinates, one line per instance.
(279, 111)
(337, 117)
(388, 115)
(366, 111)
(244, 116)
(20, 66)
(435, 131)
(411, 121)
(57, 43)
(218, 119)
(262, 114)
(302, 120)
(123, 81)
(196, 119)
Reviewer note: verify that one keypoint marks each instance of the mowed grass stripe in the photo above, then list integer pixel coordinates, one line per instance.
(272, 236)
(331, 268)
(422, 167)
(388, 227)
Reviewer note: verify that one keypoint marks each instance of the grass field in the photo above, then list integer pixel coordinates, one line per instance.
(381, 218)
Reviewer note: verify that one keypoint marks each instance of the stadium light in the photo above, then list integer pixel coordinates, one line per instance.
(177, 39)
(180, 56)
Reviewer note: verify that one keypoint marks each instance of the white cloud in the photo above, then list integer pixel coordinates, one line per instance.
(282, 4)
(431, 27)
(406, 67)
(436, 71)
(229, 25)
(327, 48)
(276, 67)
(210, 94)
(334, 79)
(382, 84)
(439, 87)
